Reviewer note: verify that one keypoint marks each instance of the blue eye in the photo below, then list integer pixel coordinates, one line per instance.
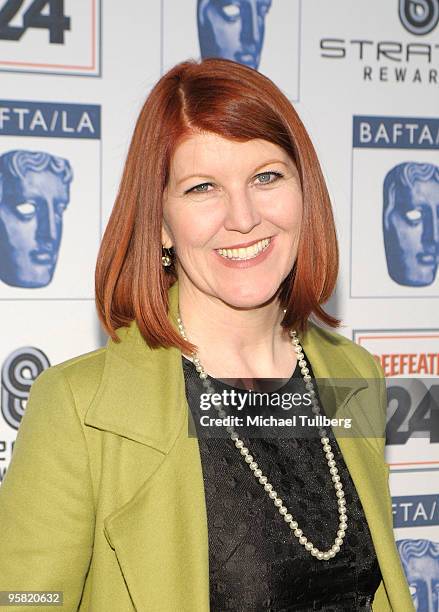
(202, 187)
(197, 189)
(277, 176)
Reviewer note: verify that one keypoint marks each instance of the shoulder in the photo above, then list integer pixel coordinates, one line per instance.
(361, 358)
(85, 368)
(75, 380)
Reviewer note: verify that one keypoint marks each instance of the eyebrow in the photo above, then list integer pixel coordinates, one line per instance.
(270, 161)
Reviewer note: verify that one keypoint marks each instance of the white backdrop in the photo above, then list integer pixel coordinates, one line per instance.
(364, 78)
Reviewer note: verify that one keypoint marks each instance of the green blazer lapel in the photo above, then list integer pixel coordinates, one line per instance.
(343, 388)
(139, 394)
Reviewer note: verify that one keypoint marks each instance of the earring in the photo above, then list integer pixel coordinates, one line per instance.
(166, 256)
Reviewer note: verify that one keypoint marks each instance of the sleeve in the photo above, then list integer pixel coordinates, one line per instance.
(46, 502)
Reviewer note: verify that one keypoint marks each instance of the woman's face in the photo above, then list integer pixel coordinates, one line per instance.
(221, 197)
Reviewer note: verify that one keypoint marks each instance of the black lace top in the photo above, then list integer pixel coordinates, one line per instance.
(255, 561)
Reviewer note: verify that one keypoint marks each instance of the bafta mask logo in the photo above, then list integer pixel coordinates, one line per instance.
(411, 223)
(420, 560)
(232, 30)
(34, 193)
(419, 17)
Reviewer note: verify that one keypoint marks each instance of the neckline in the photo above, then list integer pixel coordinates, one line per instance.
(296, 374)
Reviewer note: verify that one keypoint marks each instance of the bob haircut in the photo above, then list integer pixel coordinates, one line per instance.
(235, 102)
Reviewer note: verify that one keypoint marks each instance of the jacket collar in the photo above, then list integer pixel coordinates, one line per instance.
(140, 393)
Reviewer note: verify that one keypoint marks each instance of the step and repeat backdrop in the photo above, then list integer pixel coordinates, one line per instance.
(364, 77)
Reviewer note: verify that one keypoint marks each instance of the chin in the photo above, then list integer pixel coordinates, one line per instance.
(239, 298)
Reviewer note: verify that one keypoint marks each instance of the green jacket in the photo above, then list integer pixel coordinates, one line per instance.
(104, 496)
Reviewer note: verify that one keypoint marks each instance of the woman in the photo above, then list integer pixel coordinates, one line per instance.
(108, 498)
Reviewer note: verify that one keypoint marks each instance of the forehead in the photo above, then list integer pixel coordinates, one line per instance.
(200, 153)
(424, 567)
(426, 189)
(40, 180)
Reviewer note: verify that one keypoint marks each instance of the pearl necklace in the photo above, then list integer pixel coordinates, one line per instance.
(263, 480)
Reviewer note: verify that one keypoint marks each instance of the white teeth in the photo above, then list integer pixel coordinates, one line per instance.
(244, 253)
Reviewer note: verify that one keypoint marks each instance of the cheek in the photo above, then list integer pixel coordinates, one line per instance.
(196, 227)
(191, 234)
(286, 210)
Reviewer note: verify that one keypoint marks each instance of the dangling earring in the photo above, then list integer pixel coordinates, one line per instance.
(166, 256)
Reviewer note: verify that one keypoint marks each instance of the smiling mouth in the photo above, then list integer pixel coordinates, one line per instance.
(243, 253)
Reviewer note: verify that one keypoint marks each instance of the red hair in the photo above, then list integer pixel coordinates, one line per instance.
(238, 103)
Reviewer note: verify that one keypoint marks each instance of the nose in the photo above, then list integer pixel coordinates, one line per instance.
(47, 230)
(436, 226)
(242, 215)
(430, 237)
(250, 26)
